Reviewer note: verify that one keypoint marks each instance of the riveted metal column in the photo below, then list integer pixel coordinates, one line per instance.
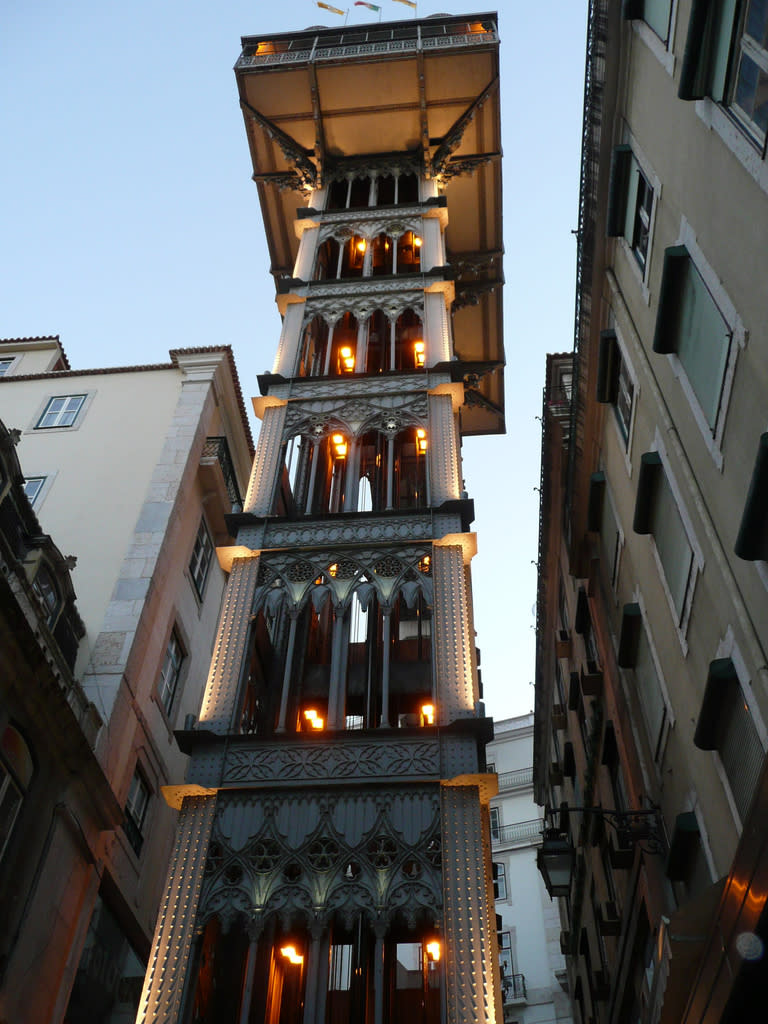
(168, 962)
(456, 685)
(266, 462)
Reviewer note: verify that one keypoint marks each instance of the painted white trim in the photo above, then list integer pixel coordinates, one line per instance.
(61, 393)
(663, 52)
(14, 358)
(739, 338)
(626, 444)
(718, 120)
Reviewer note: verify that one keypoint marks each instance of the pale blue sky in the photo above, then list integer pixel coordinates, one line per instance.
(130, 225)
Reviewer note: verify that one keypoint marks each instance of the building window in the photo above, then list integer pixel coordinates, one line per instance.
(690, 326)
(726, 725)
(749, 92)
(44, 585)
(499, 881)
(136, 807)
(202, 553)
(602, 519)
(170, 672)
(635, 652)
(16, 769)
(495, 824)
(61, 411)
(615, 383)
(752, 539)
(32, 487)
(655, 13)
(657, 513)
(630, 204)
(5, 365)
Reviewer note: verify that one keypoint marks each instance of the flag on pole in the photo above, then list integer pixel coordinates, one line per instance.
(408, 3)
(371, 7)
(333, 10)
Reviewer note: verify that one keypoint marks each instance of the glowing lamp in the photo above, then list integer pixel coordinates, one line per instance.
(340, 445)
(313, 719)
(421, 441)
(417, 241)
(433, 950)
(347, 358)
(333, 569)
(420, 352)
(424, 563)
(361, 245)
(428, 714)
(290, 954)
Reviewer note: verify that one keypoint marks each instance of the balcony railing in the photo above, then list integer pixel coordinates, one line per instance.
(521, 777)
(217, 448)
(519, 832)
(513, 989)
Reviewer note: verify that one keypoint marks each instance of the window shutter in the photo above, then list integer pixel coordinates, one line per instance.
(682, 848)
(607, 367)
(595, 502)
(668, 316)
(707, 48)
(621, 166)
(752, 539)
(650, 471)
(629, 637)
(740, 748)
(649, 688)
(632, 9)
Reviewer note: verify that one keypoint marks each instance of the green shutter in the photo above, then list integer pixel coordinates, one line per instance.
(629, 637)
(595, 502)
(683, 846)
(630, 207)
(752, 540)
(672, 276)
(607, 376)
(721, 675)
(621, 166)
(647, 481)
(632, 9)
(707, 49)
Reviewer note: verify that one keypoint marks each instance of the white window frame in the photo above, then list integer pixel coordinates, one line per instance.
(501, 880)
(608, 497)
(642, 273)
(12, 361)
(728, 648)
(170, 672)
(33, 493)
(657, 745)
(58, 418)
(680, 618)
(494, 815)
(200, 560)
(626, 443)
(87, 397)
(136, 811)
(744, 44)
(713, 438)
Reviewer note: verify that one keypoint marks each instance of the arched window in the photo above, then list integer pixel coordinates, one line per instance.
(409, 253)
(312, 353)
(382, 254)
(360, 192)
(410, 469)
(261, 678)
(344, 346)
(411, 662)
(16, 770)
(311, 677)
(353, 256)
(378, 343)
(385, 190)
(220, 960)
(327, 264)
(363, 663)
(44, 585)
(410, 346)
(373, 456)
(337, 195)
(407, 188)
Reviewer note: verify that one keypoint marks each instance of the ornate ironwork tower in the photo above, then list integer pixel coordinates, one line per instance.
(333, 858)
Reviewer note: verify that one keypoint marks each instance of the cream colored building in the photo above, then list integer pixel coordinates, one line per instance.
(534, 980)
(133, 470)
(652, 686)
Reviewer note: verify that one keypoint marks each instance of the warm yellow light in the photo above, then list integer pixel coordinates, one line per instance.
(340, 444)
(421, 440)
(361, 245)
(428, 714)
(419, 349)
(338, 439)
(290, 954)
(433, 950)
(333, 569)
(314, 720)
(424, 563)
(417, 241)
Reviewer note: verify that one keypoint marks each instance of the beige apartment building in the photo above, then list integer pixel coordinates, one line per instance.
(133, 471)
(652, 678)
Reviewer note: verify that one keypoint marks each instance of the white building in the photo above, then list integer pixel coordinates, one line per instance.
(534, 977)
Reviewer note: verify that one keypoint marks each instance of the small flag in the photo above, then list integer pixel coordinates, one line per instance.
(408, 3)
(371, 7)
(333, 10)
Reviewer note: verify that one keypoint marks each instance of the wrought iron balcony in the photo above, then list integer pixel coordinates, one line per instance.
(511, 780)
(521, 831)
(513, 989)
(217, 448)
